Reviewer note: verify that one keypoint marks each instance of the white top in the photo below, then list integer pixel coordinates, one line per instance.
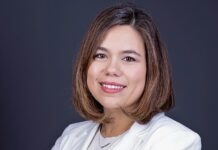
(160, 133)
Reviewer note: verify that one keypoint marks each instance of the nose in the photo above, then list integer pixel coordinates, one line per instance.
(113, 68)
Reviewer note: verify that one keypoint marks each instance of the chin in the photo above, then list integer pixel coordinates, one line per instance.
(111, 106)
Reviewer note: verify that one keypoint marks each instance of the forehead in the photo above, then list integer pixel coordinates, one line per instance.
(122, 37)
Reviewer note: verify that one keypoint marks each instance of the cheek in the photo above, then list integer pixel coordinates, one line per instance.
(137, 80)
(137, 75)
(92, 75)
(90, 83)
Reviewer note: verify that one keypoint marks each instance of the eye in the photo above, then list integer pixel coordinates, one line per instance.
(99, 56)
(129, 59)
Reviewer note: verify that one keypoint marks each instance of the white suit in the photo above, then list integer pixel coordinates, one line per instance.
(161, 133)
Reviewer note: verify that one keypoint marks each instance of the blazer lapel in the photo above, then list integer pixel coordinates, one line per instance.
(132, 138)
(89, 137)
(81, 141)
(137, 135)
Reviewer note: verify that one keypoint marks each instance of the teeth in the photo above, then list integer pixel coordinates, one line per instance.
(112, 86)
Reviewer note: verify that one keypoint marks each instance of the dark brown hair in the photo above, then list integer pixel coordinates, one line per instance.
(158, 93)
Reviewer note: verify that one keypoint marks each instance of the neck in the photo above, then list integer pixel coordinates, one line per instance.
(119, 124)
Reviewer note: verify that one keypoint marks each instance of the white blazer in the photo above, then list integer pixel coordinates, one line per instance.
(161, 133)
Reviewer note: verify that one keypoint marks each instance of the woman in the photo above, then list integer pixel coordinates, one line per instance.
(123, 86)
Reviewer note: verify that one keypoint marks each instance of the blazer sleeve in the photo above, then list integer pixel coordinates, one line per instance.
(57, 144)
(180, 140)
(61, 141)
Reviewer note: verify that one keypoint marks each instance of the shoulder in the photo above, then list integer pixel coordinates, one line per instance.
(166, 133)
(76, 128)
(162, 122)
(71, 133)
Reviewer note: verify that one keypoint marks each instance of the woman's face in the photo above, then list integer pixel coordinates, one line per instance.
(116, 76)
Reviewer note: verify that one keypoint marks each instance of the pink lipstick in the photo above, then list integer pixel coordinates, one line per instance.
(111, 87)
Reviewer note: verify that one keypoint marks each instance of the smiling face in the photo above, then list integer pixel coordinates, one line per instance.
(116, 75)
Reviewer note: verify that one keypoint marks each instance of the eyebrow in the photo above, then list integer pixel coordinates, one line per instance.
(125, 51)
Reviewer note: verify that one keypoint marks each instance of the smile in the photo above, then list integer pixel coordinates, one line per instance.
(111, 87)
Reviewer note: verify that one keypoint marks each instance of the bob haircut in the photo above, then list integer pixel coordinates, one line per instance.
(158, 95)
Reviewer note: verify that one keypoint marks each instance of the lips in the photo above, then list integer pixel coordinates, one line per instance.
(111, 87)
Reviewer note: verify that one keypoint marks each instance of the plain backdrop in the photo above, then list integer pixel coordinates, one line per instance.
(39, 40)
